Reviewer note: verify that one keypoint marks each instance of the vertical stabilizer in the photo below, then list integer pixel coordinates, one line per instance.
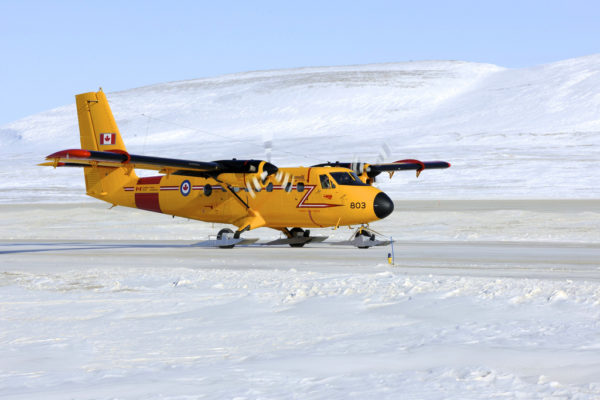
(97, 126)
(99, 132)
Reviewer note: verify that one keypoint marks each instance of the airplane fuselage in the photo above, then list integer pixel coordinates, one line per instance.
(312, 197)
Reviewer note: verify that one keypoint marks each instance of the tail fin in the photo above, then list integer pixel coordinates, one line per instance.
(99, 132)
(97, 126)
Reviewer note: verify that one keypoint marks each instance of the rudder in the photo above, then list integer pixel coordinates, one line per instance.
(97, 127)
(99, 132)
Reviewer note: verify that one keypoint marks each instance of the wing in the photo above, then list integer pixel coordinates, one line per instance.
(403, 165)
(372, 170)
(119, 158)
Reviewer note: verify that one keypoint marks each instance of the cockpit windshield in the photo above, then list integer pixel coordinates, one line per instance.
(347, 178)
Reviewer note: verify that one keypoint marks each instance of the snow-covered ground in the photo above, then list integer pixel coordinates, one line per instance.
(119, 305)
(488, 299)
(496, 288)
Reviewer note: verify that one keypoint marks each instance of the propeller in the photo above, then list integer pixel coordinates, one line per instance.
(265, 169)
(384, 154)
(256, 172)
(360, 167)
(257, 181)
(356, 165)
(284, 178)
(366, 171)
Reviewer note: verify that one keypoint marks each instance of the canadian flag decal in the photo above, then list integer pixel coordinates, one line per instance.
(107, 138)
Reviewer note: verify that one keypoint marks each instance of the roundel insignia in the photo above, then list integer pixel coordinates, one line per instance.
(185, 187)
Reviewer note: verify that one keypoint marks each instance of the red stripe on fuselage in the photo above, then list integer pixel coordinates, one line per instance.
(147, 201)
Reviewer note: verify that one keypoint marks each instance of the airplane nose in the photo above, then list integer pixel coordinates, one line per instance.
(382, 205)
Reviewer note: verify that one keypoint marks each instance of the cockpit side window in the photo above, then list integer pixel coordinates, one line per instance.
(326, 182)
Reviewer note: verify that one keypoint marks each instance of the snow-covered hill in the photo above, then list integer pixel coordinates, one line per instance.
(511, 133)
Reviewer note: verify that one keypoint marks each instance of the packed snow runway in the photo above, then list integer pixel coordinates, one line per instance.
(147, 314)
(494, 259)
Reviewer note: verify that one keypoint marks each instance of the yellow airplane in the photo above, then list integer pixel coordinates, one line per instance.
(248, 194)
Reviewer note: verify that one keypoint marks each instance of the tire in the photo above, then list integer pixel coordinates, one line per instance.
(225, 233)
(297, 232)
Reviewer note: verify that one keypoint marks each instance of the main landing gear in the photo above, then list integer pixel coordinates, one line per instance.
(295, 237)
(227, 235)
(227, 239)
(298, 236)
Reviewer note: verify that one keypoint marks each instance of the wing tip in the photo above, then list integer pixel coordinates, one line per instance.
(70, 153)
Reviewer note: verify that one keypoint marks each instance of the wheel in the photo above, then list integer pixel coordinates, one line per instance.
(366, 234)
(297, 232)
(225, 233)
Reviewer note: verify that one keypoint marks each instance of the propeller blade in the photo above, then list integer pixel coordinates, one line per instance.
(256, 184)
(250, 191)
(263, 176)
(286, 178)
(384, 153)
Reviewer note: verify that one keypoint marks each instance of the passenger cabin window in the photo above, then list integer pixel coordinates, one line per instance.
(347, 178)
(325, 182)
(300, 186)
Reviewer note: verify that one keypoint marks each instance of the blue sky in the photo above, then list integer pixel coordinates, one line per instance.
(52, 50)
